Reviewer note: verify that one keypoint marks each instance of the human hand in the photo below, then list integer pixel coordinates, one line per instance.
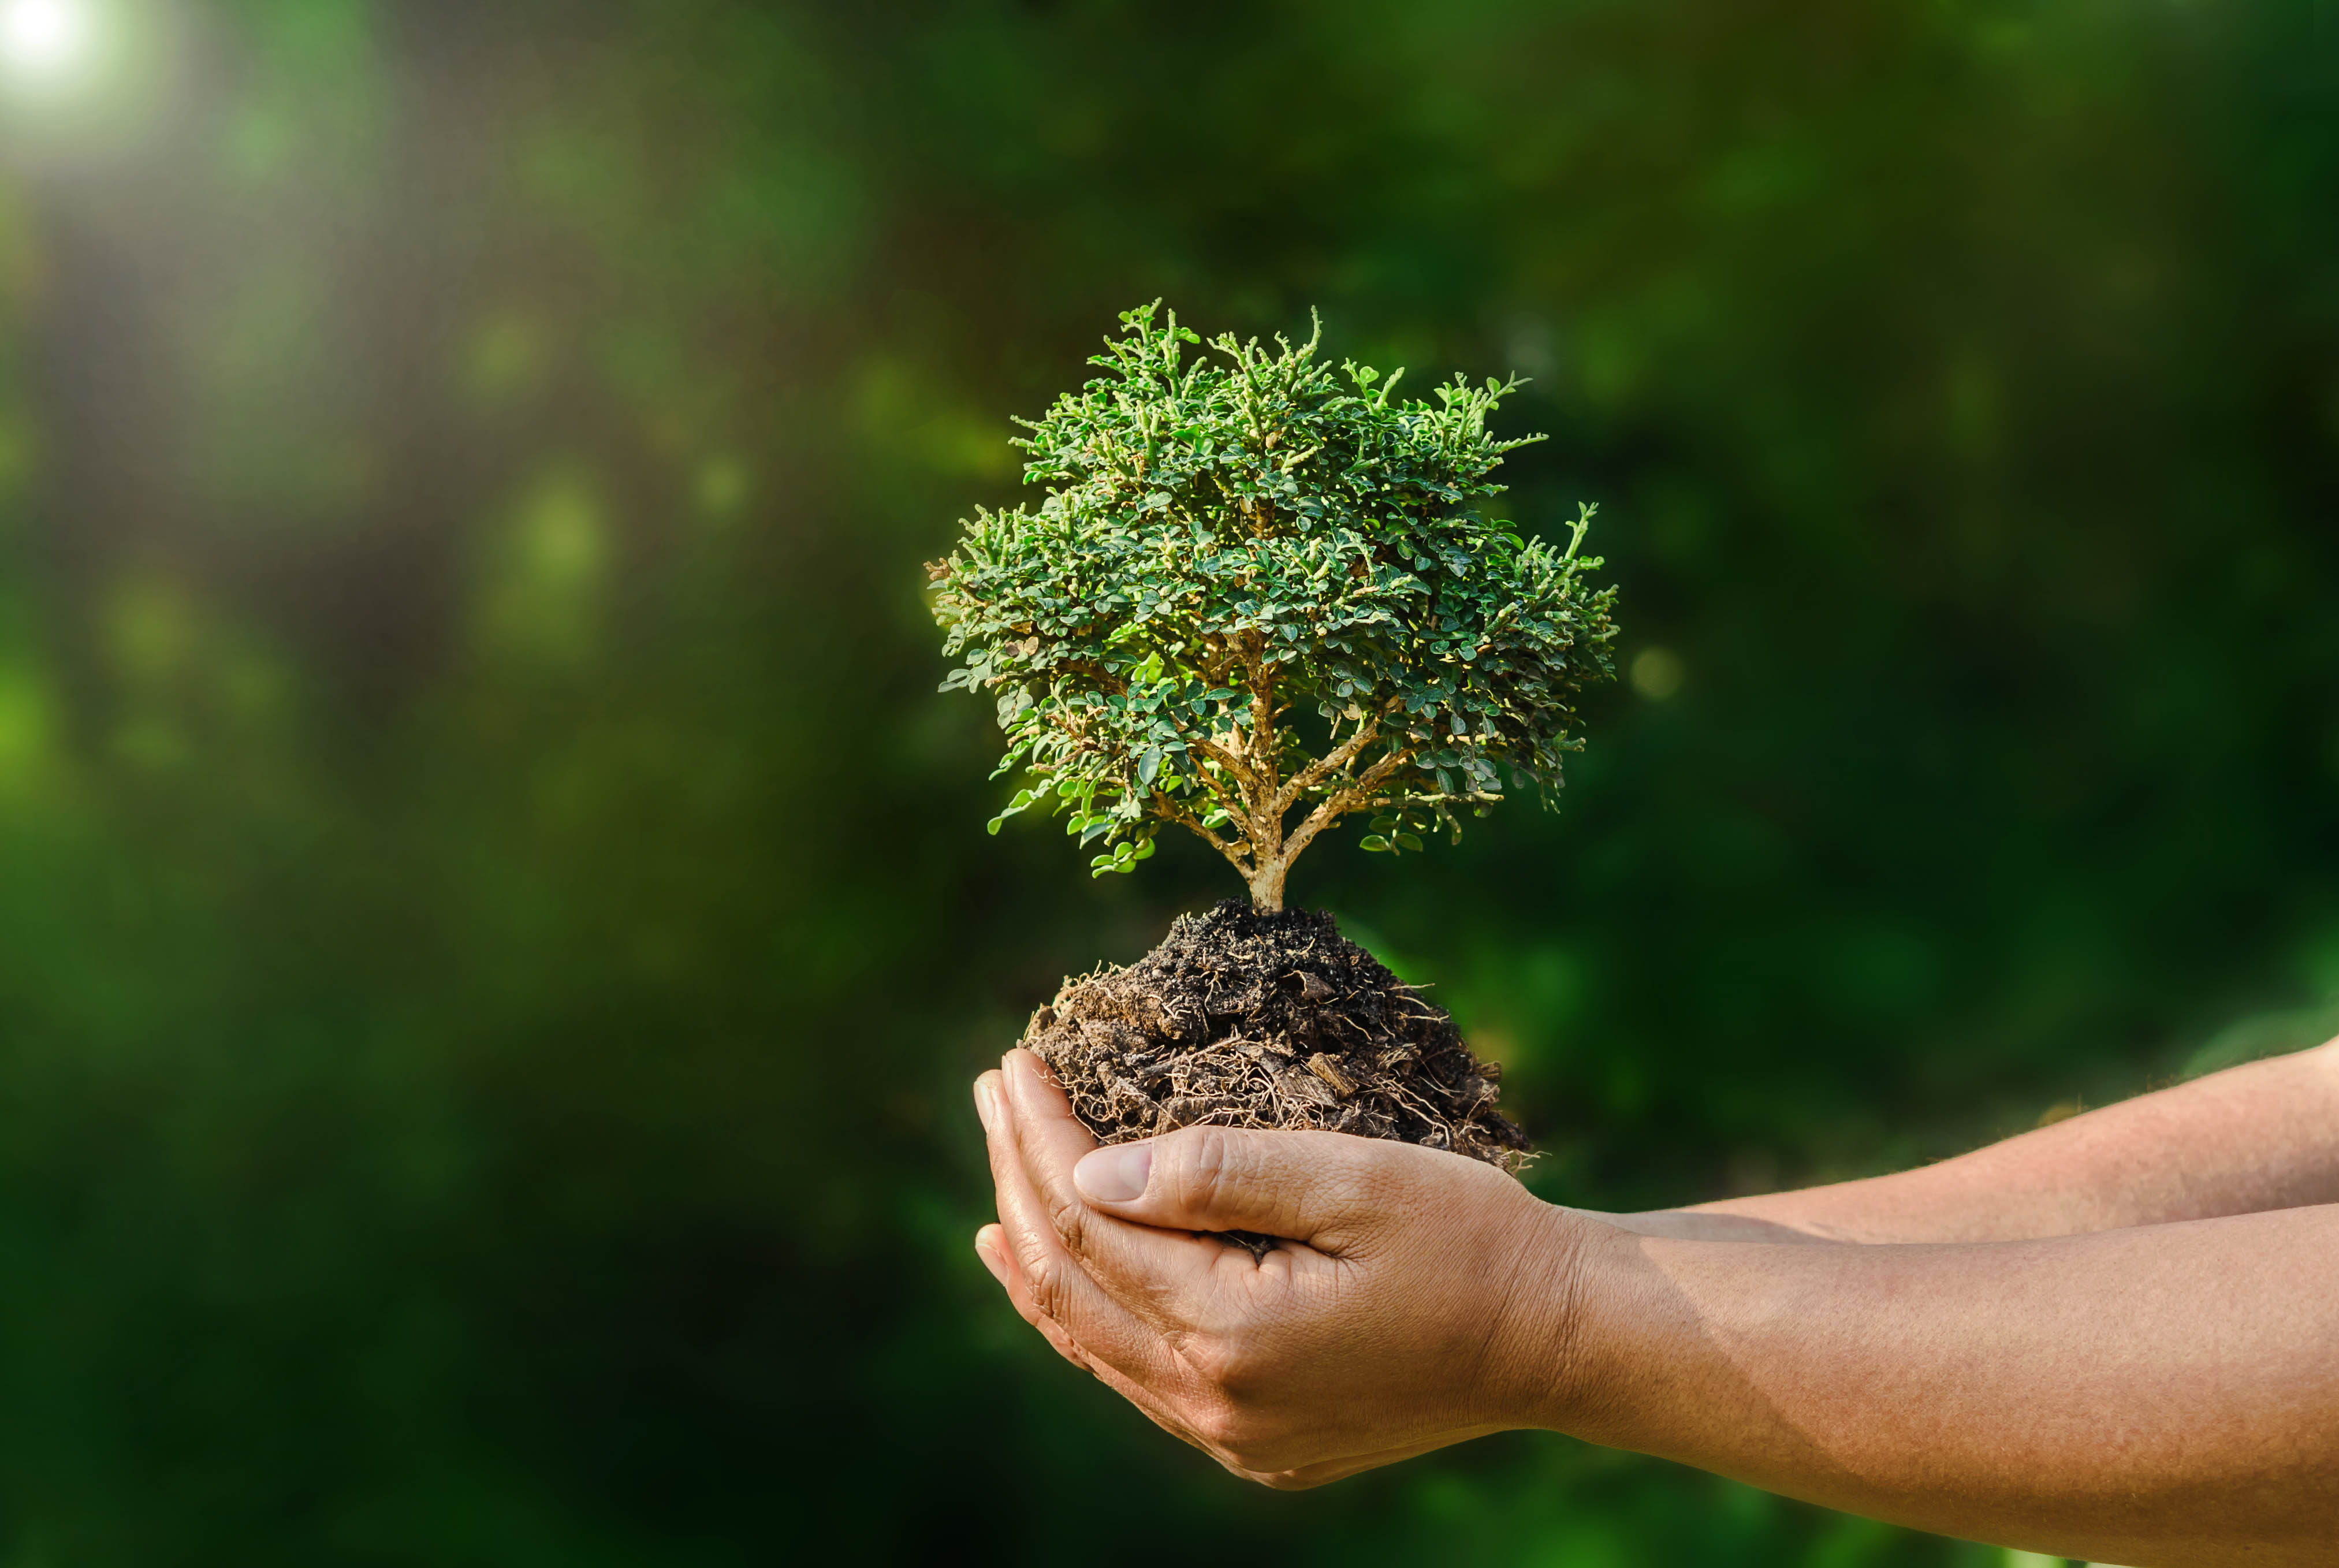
(1960, 1388)
(1421, 1298)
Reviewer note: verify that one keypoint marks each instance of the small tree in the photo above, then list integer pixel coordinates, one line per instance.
(1258, 598)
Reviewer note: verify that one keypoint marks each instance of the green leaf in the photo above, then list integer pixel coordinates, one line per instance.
(1170, 520)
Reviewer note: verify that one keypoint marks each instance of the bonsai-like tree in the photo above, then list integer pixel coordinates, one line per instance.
(1259, 597)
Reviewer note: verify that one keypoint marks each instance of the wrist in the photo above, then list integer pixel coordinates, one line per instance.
(1551, 1319)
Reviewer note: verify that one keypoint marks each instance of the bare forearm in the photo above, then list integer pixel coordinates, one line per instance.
(2256, 1137)
(2166, 1394)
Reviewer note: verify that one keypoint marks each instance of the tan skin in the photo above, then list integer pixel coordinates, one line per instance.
(2115, 1339)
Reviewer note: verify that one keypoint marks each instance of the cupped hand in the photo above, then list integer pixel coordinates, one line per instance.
(1419, 1298)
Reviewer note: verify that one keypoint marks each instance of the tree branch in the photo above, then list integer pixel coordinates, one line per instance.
(1235, 806)
(1332, 762)
(1218, 754)
(1169, 811)
(1361, 794)
(1262, 711)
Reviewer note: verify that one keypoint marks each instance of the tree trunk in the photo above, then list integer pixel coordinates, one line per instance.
(1266, 887)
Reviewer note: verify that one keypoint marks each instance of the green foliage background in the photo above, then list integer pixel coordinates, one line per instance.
(495, 926)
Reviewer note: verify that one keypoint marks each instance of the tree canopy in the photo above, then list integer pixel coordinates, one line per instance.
(1234, 544)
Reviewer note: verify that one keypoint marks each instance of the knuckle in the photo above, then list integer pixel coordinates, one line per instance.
(1030, 1253)
(1050, 1286)
(1206, 1357)
(1225, 1366)
(1242, 1375)
(1069, 1217)
(1207, 1169)
(1203, 1166)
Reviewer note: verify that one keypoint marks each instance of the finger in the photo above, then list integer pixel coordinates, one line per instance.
(1161, 1275)
(1140, 1367)
(1329, 1189)
(990, 1245)
(992, 1248)
(1136, 1364)
(1059, 1287)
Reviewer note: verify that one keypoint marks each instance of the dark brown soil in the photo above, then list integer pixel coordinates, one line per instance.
(1242, 1019)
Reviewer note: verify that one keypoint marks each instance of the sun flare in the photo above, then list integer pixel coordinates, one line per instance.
(45, 38)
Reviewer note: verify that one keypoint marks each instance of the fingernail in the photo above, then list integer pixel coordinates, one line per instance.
(1114, 1175)
(986, 1104)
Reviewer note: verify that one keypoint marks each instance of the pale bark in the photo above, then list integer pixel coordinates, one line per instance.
(1266, 887)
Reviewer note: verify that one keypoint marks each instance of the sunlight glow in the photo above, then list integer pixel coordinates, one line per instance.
(43, 38)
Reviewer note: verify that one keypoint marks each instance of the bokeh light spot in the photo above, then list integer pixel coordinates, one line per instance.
(721, 486)
(25, 727)
(45, 38)
(541, 600)
(1657, 674)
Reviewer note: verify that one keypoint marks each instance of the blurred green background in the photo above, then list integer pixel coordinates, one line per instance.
(495, 923)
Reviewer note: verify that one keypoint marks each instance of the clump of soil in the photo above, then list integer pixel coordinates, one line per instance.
(1245, 1019)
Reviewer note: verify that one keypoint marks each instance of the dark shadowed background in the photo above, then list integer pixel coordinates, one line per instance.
(495, 921)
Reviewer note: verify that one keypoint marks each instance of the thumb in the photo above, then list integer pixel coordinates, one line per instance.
(1321, 1188)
